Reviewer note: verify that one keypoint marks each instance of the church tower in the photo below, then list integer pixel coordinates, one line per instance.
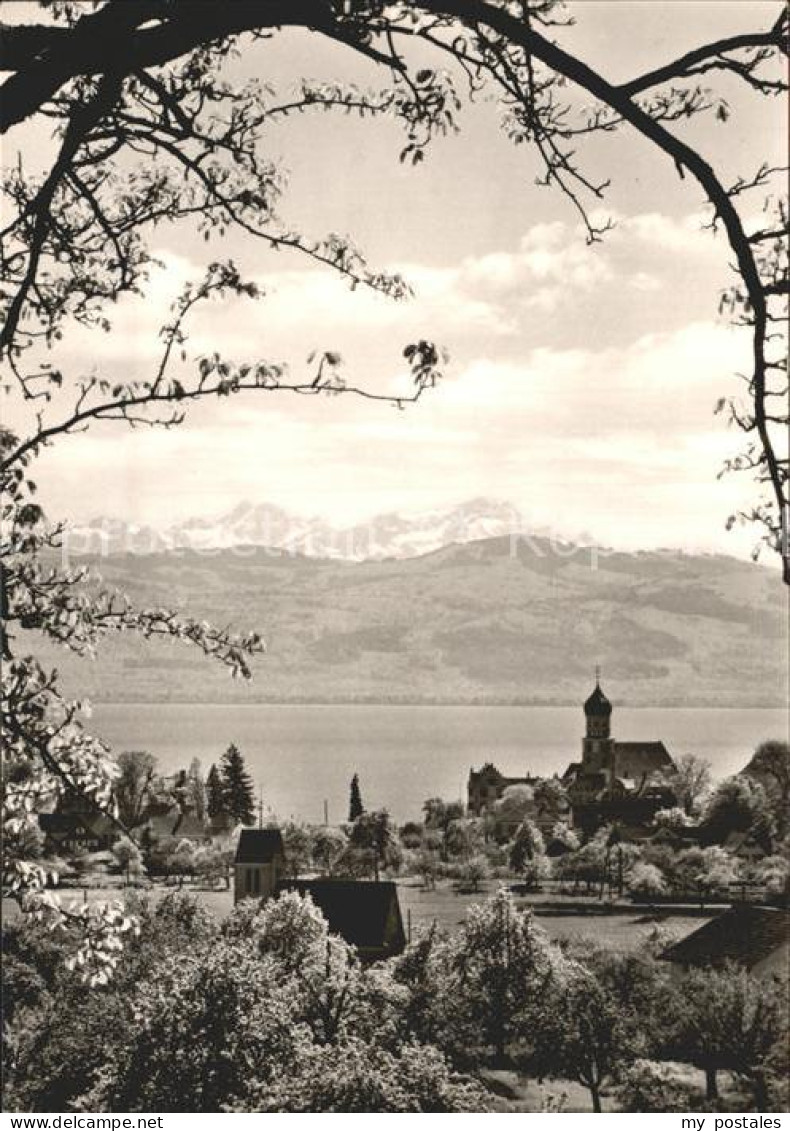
(598, 744)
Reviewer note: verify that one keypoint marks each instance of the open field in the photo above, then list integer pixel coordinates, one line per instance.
(446, 907)
(623, 932)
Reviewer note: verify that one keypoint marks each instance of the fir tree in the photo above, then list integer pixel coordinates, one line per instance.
(215, 794)
(239, 797)
(195, 796)
(355, 807)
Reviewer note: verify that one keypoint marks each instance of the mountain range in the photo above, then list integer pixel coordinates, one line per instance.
(388, 535)
(496, 620)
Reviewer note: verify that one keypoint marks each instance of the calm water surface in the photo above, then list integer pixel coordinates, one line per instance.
(302, 755)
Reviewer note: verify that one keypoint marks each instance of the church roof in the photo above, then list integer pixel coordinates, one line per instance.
(597, 704)
(358, 910)
(744, 934)
(638, 758)
(488, 770)
(259, 846)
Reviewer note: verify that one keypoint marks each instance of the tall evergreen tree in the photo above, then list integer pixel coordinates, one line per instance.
(355, 807)
(239, 797)
(195, 797)
(215, 794)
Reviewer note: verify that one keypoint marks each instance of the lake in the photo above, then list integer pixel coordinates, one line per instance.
(301, 756)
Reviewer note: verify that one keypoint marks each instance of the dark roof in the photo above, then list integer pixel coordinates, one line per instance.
(598, 704)
(357, 910)
(70, 824)
(642, 757)
(60, 823)
(745, 934)
(488, 770)
(589, 780)
(259, 846)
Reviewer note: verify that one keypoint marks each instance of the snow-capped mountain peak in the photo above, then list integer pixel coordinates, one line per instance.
(389, 535)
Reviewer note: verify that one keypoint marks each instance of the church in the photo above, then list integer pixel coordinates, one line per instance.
(616, 781)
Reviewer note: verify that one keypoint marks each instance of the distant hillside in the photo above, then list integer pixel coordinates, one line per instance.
(481, 622)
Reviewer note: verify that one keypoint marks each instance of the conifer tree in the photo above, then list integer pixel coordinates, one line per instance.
(195, 797)
(215, 794)
(355, 807)
(239, 796)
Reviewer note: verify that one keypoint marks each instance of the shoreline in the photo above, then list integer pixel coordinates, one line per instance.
(411, 704)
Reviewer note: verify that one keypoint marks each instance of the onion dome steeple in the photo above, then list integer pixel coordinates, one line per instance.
(598, 713)
(598, 705)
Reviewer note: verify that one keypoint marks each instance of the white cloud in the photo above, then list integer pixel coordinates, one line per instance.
(668, 232)
(620, 443)
(552, 287)
(554, 400)
(661, 384)
(642, 281)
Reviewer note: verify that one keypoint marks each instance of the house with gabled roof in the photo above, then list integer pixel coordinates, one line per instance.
(166, 820)
(366, 913)
(77, 824)
(755, 938)
(66, 833)
(259, 864)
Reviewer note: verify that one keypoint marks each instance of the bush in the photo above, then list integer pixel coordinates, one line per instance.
(675, 818)
(646, 881)
(774, 874)
(411, 834)
(470, 874)
(355, 1077)
(648, 1086)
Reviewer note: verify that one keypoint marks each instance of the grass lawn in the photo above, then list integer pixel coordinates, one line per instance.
(617, 932)
(421, 907)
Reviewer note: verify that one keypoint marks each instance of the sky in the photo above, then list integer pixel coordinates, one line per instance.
(581, 381)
